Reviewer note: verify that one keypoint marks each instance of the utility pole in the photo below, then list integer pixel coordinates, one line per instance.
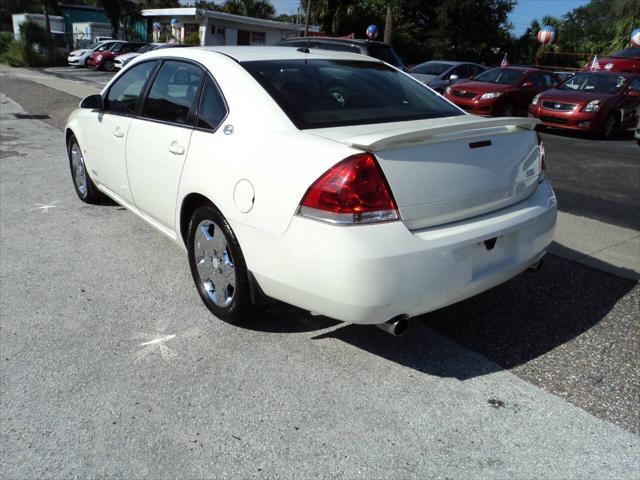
(306, 27)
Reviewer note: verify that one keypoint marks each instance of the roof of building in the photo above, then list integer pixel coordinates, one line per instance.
(228, 17)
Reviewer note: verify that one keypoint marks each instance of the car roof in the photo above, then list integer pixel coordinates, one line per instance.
(248, 54)
(349, 41)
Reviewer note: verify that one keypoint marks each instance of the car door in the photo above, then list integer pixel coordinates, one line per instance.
(159, 139)
(107, 131)
(536, 80)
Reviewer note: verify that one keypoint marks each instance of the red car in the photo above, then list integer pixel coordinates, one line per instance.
(627, 60)
(501, 91)
(591, 101)
(103, 59)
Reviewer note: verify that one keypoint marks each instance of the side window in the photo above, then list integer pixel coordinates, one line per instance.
(549, 80)
(124, 93)
(538, 81)
(475, 70)
(212, 107)
(173, 93)
(460, 71)
(635, 83)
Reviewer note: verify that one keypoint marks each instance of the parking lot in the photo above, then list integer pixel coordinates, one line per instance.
(112, 367)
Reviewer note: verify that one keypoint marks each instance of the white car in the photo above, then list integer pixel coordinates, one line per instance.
(78, 58)
(327, 180)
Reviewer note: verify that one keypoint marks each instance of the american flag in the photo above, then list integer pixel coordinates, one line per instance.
(504, 63)
(595, 65)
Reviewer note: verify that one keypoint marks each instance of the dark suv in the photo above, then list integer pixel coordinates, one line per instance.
(378, 50)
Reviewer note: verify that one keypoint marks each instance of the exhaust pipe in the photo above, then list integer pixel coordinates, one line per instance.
(396, 326)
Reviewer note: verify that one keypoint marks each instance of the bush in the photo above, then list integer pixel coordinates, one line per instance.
(6, 38)
(192, 39)
(21, 54)
(33, 33)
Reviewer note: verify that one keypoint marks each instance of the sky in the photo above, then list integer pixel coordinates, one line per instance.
(521, 16)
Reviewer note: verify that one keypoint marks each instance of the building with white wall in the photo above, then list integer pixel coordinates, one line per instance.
(217, 28)
(56, 23)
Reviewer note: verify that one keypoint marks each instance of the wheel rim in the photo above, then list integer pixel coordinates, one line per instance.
(79, 170)
(214, 263)
(108, 65)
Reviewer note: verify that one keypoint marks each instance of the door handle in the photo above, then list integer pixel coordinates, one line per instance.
(118, 133)
(176, 148)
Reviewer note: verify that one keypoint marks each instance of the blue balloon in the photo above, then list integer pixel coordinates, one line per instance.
(175, 21)
(372, 31)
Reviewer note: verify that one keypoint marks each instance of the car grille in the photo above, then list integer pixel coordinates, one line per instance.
(558, 107)
(552, 119)
(463, 94)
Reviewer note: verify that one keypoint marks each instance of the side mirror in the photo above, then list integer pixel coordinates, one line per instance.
(527, 84)
(453, 77)
(93, 102)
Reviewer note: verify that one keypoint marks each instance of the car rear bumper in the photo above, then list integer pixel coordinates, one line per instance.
(369, 274)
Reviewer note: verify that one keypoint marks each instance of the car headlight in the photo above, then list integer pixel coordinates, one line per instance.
(488, 95)
(535, 99)
(592, 106)
(99, 57)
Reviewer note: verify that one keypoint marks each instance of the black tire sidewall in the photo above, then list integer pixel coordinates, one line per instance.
(108, 62)
(92, 195)
(609, 135)
(240, 305)
(508, 106)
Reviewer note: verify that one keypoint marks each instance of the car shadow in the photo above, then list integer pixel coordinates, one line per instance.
(620, 136)
(510, 325)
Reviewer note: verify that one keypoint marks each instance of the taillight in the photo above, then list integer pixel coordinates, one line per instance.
(542, 166)
(352, 191)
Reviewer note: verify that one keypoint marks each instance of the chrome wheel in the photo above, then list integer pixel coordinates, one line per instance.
(79, 170)
(214, 263)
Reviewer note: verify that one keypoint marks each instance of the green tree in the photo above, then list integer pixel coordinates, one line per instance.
(250, 8)
(113, 11)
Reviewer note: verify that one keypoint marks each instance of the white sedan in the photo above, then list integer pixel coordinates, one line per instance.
(330, 181)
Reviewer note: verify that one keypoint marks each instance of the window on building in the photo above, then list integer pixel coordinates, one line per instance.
(258, 38)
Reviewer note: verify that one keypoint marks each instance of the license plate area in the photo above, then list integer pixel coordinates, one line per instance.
(492, 253)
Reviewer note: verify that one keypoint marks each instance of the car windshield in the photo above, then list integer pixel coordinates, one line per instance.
(627, 53)
(594, 82)
(93, 46)
(431, 68)
(385, 53)
(504, 76)
(332, 93)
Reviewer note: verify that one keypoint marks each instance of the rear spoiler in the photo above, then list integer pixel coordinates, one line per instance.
(454, 128)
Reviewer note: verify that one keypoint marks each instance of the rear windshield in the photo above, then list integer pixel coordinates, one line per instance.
(431, 68)
(385, 53)
(504, 76)
(594, 82)
(332, 93)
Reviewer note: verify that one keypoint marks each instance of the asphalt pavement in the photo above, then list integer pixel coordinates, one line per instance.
(112, 367)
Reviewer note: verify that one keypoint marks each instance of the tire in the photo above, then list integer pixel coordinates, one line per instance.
(609, 127)
(108, 66)
(217, 265)
(508, 110)
(82, 183)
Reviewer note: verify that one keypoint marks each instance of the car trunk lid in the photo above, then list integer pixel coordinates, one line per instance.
(448, 169)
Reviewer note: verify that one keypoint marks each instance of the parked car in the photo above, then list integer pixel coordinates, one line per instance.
(637, 134)
(439, 74)
(626, 60)
(326, 180)
(79, 57)
(105, 59)
(564, 76)
(378, 50)
(122, 60)
(591, 101)
(501, 91)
